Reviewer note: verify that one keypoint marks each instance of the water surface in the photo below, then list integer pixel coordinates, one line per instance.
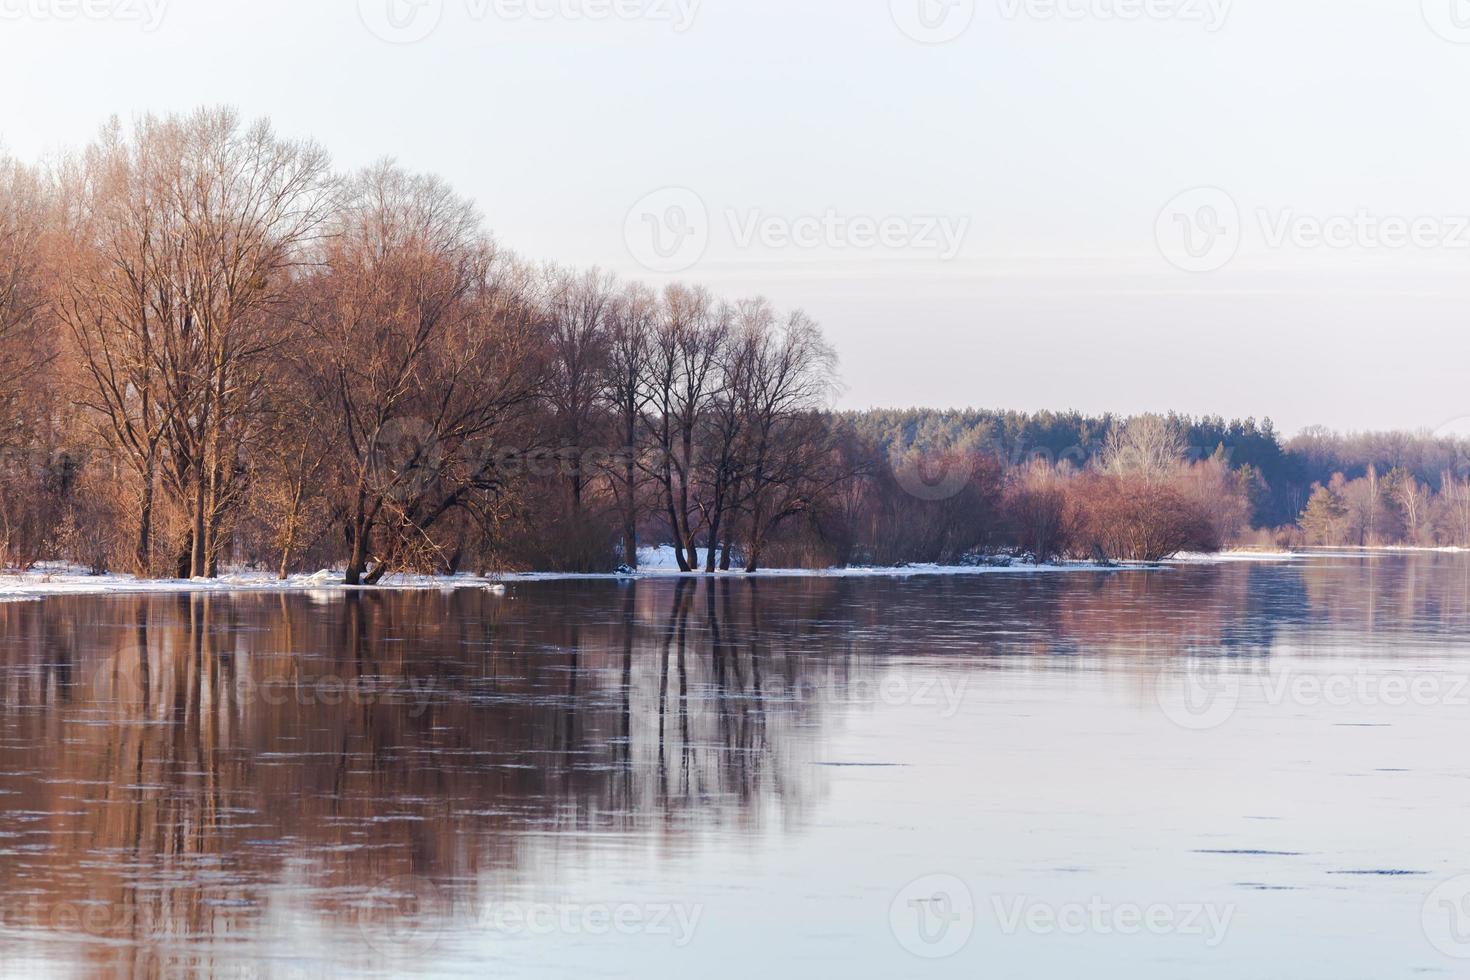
(1235, 770)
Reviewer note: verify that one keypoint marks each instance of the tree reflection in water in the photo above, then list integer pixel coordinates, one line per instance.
(186, 779)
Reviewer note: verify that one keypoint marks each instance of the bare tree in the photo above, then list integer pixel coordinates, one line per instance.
(789, 381)
(1455, 493)
(682, 377)
(579, 308)
(1413, 500)
(425, 339)
(192, 233)
(25, 345)
(108, 303)
(632, 319)
(1148, 446)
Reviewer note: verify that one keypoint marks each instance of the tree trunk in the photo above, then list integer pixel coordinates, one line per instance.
(143, 558)
(675, 527)
(717, 517)
(752, 560)
(198, 553)
(358, 562)
(630, 506)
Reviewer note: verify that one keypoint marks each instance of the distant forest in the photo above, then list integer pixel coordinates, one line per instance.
(1317, 488)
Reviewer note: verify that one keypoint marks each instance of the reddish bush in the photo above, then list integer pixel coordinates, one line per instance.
(1036, 511)
(1131, 518)
(933, 507)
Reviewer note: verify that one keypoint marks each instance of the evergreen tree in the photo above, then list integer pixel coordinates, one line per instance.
(1322, 521)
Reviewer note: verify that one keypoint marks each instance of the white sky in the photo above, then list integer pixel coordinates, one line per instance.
(1054, 141)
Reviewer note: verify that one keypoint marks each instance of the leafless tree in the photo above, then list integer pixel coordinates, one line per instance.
(425, 339)
(683, 375)
(192, 233)
(788, 462)
(631, 322)
(1455, 504)
(1148, 446)
(579, 307)
(25, 346)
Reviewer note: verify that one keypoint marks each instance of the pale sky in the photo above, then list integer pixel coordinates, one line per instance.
(979, 199)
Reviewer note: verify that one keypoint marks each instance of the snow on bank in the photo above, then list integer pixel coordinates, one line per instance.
(58, 580)
(653, 563)
(1223, 557)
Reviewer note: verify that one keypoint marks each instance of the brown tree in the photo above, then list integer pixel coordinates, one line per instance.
(427, 345)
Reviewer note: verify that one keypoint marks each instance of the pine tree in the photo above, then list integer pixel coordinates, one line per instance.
(1322, 521)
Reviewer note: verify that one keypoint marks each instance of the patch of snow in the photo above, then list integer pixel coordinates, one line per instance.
(326, 585)
(1203, 558)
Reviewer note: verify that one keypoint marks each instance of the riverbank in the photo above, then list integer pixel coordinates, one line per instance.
(655, 563)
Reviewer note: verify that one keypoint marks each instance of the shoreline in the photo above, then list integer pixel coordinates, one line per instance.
(48, 582)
